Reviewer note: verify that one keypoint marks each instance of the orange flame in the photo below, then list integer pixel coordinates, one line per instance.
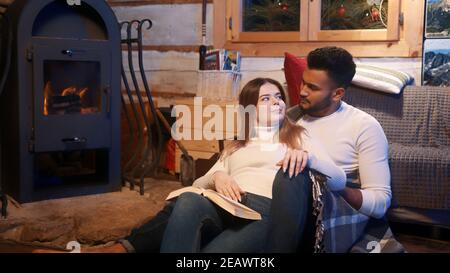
(71, 90)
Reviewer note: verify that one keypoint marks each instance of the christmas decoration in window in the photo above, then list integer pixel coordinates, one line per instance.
(354, 14)
(271, 15)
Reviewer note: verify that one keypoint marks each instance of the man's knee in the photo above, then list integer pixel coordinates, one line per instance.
(283, 184)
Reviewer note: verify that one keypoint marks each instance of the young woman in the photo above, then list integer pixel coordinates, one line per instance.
(192, 223)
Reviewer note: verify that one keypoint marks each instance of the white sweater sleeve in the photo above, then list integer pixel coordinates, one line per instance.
(320, 160)
(374, 171)
(206, 180)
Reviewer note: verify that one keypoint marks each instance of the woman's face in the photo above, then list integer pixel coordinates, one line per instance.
(270, 107)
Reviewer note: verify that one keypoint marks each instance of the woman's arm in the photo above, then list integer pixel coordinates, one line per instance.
(206, 181)
(218, 178)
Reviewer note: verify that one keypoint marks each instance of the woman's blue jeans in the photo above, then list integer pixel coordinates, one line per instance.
(198, 225)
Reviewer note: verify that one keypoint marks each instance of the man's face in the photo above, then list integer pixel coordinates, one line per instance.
(316, 94)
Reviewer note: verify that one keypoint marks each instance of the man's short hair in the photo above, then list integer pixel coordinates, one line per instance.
(337, 62)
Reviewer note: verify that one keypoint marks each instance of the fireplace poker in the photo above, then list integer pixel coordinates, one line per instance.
(153, 166)
(134, 111)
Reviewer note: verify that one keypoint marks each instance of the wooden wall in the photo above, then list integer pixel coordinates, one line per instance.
(170, 54)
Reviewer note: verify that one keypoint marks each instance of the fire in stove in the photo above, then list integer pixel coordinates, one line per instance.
(67, 101)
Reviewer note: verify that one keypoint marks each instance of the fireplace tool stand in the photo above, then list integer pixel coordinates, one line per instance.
(144, 146)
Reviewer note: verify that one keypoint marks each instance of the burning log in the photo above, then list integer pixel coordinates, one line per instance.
(71, 100)
(64, 104)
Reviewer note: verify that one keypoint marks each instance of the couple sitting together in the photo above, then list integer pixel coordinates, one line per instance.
(323, 134)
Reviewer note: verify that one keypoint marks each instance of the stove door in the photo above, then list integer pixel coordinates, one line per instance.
(71, 96)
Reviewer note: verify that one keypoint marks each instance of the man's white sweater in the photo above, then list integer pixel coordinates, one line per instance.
(254, 166)
(356, 143)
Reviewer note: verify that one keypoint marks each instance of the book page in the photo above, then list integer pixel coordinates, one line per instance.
(176, 193)
(235, 203)
(228, 204)
(233, 207)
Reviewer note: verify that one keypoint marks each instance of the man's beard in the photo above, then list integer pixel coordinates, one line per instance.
(325, 103)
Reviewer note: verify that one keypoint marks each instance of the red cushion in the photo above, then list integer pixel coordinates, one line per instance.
(293, 72)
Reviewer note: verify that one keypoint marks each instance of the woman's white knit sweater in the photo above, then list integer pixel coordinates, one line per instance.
(254, 166)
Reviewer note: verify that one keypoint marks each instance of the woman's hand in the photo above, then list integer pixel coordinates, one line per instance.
(226, 185)
(296, 159)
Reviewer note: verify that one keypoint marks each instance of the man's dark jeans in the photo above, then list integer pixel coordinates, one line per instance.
(291, 223)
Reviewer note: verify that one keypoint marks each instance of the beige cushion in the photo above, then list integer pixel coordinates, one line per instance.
(381, 79)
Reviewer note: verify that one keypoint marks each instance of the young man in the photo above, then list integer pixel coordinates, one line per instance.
(354, 140)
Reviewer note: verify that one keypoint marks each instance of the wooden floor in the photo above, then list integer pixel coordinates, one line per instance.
(416, 244)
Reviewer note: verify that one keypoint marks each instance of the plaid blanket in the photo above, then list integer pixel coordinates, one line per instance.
(340, 228)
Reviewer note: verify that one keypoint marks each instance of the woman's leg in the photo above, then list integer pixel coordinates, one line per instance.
(194, 221)
(291, 223)
(148, 237)
(244, 236)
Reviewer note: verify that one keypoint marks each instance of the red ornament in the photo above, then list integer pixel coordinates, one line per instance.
(341, 11)
(283, 5)
(375, 14)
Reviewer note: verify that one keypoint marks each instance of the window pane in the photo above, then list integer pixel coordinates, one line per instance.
(271, 15)
(354, 14)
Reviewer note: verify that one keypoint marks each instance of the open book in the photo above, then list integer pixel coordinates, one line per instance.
(233, 207)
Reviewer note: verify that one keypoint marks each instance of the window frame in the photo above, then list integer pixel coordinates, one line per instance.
(237, 35)
(408, 43)
(391, 33)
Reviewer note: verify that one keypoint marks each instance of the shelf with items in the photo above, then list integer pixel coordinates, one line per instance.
(221, 76)
(219, 85)
(198, 145)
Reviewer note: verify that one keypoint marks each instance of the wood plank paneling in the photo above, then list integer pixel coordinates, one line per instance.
(166, 48)
(173, 25)
(115, 3)
(170, 50)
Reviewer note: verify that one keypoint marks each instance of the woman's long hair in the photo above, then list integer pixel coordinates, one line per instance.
(289, 133)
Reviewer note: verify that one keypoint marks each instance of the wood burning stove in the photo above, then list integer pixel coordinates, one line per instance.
(60, 111)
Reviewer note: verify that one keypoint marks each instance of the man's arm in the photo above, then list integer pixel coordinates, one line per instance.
(374, 197)
(353, 197)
